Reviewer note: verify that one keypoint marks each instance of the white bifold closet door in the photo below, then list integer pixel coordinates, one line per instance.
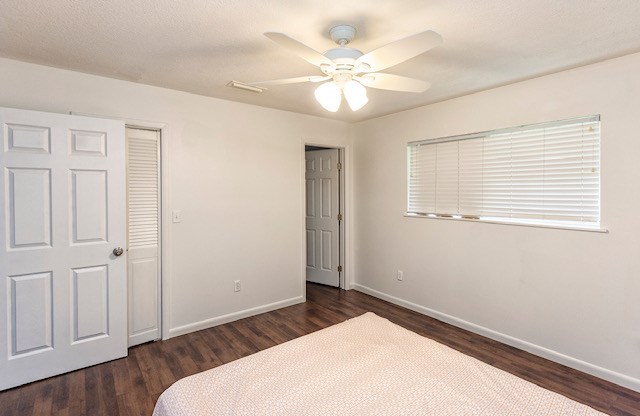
(143, 208)
(63, 277)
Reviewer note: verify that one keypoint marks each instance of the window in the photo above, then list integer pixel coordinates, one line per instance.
(545, 174)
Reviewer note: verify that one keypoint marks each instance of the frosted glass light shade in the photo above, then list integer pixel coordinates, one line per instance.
(356, 95)
(329, 96)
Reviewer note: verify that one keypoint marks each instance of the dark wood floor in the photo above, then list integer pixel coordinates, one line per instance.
(130, 386)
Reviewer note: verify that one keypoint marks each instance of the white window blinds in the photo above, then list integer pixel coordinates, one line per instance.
(547, 173)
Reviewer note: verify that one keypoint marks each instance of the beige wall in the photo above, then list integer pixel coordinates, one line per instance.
(570, 295)
(235, 172)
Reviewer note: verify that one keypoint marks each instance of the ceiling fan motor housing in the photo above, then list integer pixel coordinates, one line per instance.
(343, 57)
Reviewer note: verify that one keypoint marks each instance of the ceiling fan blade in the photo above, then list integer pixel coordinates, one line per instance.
(303, 51)
(393, 82)
(284, 81)
(398, 51)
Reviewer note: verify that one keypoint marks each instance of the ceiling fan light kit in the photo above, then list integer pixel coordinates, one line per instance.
(348, 71)
(329, 95)
(355, 94)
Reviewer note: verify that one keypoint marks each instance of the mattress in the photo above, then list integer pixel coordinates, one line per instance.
(364, 366)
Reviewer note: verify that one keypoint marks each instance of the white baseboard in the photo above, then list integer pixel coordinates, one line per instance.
(609, 375)
(219, 320)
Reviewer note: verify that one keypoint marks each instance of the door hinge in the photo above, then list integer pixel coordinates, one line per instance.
(339, 268)
(339, 166)
(339, 217)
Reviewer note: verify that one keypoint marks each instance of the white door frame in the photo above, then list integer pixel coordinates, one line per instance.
(165, 223)
(346, 208)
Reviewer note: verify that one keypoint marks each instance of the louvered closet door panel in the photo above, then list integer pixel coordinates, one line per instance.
(143, 192)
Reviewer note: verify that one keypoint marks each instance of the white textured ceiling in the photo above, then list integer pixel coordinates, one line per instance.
(200, 45)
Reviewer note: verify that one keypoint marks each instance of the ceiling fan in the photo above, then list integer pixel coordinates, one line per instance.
(348, 71)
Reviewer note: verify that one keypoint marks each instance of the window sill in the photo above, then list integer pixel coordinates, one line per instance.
(507, 222)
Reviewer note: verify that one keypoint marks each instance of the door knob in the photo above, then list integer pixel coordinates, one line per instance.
(118, 251)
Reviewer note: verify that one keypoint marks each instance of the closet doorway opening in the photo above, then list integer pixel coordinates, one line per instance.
(324, 215)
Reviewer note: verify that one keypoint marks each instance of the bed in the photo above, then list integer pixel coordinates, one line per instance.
(364, 366)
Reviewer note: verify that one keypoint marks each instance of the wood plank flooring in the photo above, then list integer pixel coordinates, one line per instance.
(130, 386)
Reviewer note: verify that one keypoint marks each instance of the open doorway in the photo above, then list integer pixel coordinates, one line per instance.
(324, 214)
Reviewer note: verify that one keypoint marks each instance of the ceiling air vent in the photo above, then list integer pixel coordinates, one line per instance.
(246, 87)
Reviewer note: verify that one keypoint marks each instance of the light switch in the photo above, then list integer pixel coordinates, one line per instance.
(177, 216)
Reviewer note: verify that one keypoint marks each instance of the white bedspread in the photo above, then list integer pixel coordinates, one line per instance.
(364, 366)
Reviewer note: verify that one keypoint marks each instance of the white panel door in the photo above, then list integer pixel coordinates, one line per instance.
(143, 243)
(322, 205)
(62, 209)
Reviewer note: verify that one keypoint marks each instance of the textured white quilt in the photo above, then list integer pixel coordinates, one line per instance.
(364, 366)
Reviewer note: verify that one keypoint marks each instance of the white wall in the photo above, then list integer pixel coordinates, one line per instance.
(234, 172)
(570, 295)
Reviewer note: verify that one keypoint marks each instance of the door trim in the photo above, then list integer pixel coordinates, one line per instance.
(165, 223)
(346, 206)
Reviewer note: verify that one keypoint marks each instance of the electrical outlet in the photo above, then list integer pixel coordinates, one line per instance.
(236, 286)
(400, 275)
